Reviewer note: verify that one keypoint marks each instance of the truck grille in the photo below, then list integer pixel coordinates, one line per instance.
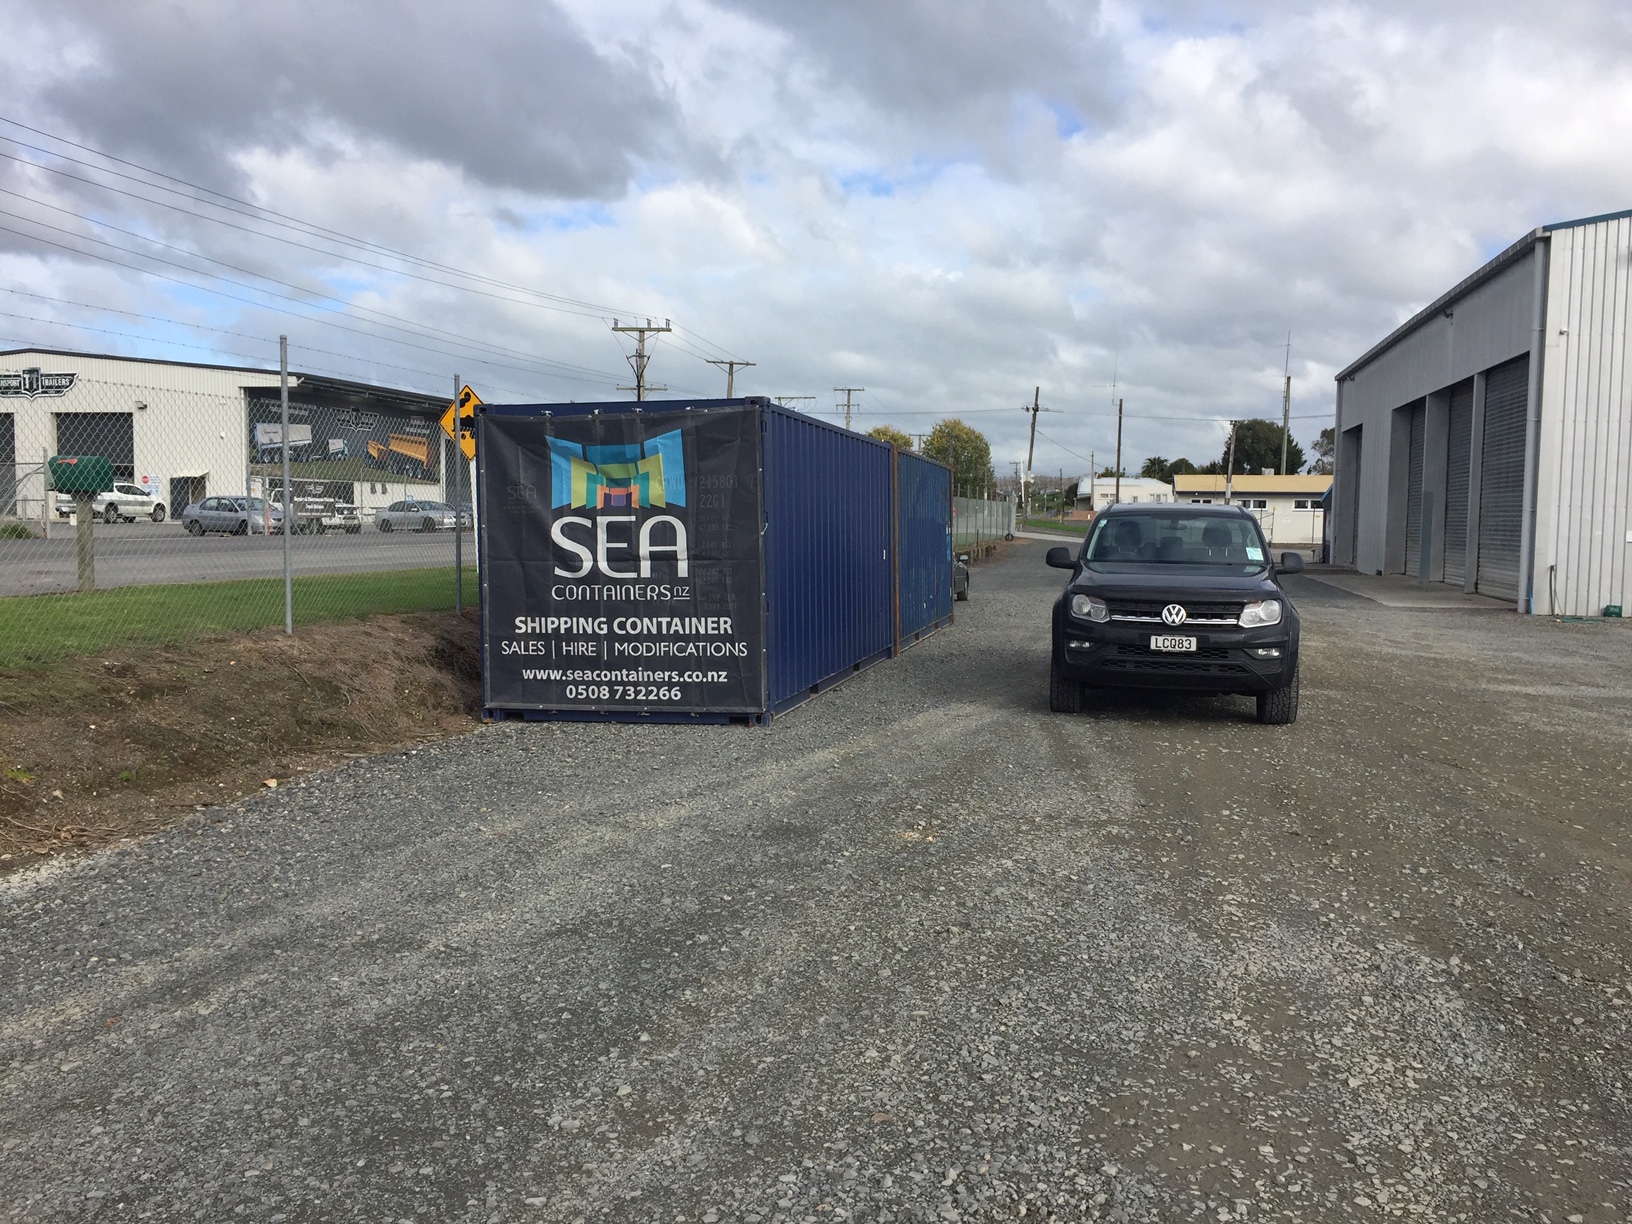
(1196, 611)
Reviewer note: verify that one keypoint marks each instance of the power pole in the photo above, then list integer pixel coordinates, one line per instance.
(1229, 467)
(1286, 405)
(1031, 450)
(848, 392)
(638, 361)
(731, 368)
(288, 502)
(1118, 494)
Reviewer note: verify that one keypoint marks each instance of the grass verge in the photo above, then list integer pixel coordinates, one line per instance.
(38, 630)
(96, 748)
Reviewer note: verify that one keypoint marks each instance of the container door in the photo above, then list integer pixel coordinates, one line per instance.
(620, 561)
(1413, 491)
(1458, 463)
(1501, 489)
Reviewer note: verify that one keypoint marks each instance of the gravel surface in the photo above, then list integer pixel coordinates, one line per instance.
(920, 951)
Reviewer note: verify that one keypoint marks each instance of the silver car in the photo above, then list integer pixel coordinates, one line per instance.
(124, 502)
(414, 515)
(233, 516)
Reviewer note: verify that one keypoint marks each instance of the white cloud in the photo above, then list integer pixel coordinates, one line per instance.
(946, 203)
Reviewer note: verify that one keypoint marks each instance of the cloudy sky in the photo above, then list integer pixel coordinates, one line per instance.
(945, 203)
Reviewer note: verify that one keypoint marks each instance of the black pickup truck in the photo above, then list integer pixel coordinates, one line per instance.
(1176, 597)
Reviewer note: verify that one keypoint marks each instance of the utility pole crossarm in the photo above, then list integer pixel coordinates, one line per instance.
(731, 367)
(848, 402)
(638, 360)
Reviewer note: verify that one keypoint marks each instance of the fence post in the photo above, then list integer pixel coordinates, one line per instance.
(288, 502)
(457, 462)
(84, 542)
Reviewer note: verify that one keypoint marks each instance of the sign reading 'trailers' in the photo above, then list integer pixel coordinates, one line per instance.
(621, 562)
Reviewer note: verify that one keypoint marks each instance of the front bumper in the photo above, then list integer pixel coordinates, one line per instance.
(1224, 661)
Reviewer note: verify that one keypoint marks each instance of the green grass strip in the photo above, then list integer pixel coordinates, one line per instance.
(36, 630)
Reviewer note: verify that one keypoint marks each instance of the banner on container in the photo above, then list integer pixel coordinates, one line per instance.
(622, 568)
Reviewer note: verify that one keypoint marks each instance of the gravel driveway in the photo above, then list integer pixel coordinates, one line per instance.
(920, 951)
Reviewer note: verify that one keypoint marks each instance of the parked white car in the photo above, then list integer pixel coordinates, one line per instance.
(124, 502)
(416, 516)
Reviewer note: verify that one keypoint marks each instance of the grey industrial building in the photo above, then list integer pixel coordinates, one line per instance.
(1486, 443)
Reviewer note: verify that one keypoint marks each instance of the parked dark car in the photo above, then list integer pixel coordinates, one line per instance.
(1176, 597)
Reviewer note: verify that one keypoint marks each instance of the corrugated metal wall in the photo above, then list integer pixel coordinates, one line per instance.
(1501, 488)
(923, 544)
(829, 573)
(1413, 489)
(1458, 463)
(1584, 472)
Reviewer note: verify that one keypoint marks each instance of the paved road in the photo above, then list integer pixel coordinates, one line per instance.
(919, 951)
(134, 554)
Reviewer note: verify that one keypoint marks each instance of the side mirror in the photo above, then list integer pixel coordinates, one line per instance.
(1060, 558)
(1291, 563)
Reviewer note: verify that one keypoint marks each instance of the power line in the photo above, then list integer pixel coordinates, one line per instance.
(541, 365)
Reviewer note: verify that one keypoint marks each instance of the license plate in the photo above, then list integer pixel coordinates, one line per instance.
(1171, 642)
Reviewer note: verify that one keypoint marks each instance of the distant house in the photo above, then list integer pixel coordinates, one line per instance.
(1097, 492)
(1290, 509)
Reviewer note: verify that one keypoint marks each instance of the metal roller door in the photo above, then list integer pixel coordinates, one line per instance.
(1413, 490)
(8, 463)
(109, 434)
(1501, 481)
(1353, 480)
(1458, 462)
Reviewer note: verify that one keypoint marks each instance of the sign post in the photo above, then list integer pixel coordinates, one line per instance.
(462, 410)
(84, 476)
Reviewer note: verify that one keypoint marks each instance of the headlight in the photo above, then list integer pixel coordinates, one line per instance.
(1089, 607)
(1264, 612)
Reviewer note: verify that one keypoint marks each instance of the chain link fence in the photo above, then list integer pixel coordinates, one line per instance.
(978, 523)
(191, 537)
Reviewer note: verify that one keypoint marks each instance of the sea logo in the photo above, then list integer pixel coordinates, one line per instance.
(642, 474)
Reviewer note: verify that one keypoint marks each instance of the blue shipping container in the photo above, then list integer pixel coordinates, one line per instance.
(923, 546)
(712, 560)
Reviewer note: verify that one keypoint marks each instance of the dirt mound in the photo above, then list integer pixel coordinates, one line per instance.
(96, 749)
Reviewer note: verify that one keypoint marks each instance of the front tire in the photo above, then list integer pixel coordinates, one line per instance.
(1280, 706)
(195, 528)
(110, 516)
(241, 527)
(428, 525)
(385, 524)
(1064, 693)
(158, 514)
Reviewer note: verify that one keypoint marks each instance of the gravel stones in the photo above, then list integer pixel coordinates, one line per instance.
(920, 951)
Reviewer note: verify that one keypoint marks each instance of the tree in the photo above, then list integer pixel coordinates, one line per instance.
(965, 450)
(1258, 446)
(889, 433)
(1181, 467)
(1112, 473)
(1323, 447)
(1156, 468)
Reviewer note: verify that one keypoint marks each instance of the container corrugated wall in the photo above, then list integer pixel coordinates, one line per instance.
(829, 572)
(923, 545)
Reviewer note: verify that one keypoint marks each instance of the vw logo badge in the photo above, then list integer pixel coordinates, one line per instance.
(1174, 615)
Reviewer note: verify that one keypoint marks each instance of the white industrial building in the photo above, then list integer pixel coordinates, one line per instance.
(1486, 443)
(183, 431)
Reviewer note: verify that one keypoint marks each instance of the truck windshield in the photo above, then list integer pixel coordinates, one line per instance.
(1127, 542)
